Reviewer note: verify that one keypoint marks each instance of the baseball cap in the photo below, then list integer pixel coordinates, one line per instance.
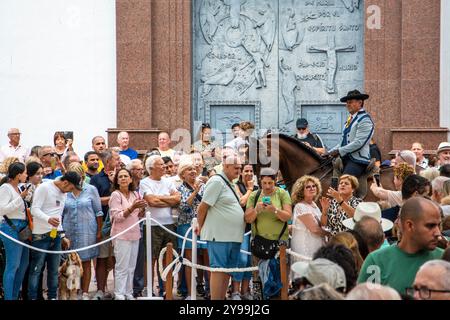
(321, 271)
(302, 123)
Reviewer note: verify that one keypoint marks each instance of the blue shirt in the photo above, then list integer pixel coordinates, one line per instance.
(131, 153)
(103, 185)
(79, 220)
(52, 176)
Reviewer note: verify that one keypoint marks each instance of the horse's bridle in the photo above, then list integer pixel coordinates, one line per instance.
(321, 166)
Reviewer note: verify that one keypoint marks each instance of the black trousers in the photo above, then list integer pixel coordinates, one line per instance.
(353, 168)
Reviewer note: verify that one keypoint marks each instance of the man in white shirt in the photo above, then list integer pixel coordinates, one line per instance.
(164, 145)
(48, 204)
(14, 148)
(161, 195)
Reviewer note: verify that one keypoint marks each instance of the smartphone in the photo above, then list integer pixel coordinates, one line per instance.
(377, 179)
(266, 200)
(334, 183)
(23, 187)
(68, 135)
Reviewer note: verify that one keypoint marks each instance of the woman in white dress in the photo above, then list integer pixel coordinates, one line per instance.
(307, 232)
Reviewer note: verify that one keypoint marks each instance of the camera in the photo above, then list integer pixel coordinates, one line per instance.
(68, 135)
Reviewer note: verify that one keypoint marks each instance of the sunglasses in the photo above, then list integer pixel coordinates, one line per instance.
(53, 154)
(312, 186)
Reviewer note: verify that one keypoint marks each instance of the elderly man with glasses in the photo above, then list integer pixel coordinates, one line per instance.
(50, 162)
(14, 148)
(432, 281)
(312, 140)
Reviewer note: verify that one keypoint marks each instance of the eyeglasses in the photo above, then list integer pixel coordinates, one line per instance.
(424, 292)
(311, 186)
(53, 154)
(15, 134)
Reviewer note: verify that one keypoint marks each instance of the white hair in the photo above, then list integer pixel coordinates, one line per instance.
(121, 134)
(150, 162)
(438, 183)
(444, 266)
(372, 291)
(133, 163)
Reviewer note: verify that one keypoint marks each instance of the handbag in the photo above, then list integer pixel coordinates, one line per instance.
(261, 247)
(25, 234)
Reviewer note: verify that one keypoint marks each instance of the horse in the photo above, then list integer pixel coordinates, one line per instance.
(295, 159)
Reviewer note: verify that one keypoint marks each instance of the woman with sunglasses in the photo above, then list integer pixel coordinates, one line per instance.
(308, 234)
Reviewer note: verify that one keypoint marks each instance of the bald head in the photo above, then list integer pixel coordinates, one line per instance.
(416, 208)
(420, 221)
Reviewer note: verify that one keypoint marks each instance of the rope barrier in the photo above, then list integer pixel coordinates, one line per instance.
(179, 261)
(72, 250)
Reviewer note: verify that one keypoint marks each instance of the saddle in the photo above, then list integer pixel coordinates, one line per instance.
(361, 192)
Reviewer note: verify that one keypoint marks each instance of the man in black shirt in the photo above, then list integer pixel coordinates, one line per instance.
(310, 139)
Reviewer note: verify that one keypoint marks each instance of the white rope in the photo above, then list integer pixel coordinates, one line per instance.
(185, 238)
(73, 250)
(296, 255)
(176, 264)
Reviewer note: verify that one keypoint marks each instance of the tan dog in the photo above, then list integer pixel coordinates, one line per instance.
(70, 274)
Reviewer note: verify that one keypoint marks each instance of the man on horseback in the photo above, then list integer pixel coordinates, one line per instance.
(354, 148)
(312, 140)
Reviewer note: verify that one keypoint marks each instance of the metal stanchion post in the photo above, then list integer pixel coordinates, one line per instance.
(150, 266)
(194, 261)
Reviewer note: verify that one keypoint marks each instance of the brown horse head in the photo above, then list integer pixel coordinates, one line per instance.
(287, 154)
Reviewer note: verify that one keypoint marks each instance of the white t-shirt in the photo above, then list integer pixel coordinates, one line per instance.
(168, 153)
(162, 187)
(48, 201)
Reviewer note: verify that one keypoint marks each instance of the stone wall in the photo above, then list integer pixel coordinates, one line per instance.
(154, 66)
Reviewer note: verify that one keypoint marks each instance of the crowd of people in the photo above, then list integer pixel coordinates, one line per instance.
(342, 246)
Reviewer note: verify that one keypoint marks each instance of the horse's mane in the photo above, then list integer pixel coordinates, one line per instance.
(313, 153)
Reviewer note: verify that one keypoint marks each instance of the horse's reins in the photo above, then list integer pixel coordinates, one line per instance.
(322, 165)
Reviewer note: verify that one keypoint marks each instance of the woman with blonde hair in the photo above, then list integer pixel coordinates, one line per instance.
(307, 232)
(348, 240)
(394, 197)
(342, 204)
(5, 165)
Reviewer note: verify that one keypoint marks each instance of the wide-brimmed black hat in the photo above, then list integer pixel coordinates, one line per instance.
(355, 94)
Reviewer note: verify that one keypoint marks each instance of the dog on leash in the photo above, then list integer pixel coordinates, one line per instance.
(70, 273)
